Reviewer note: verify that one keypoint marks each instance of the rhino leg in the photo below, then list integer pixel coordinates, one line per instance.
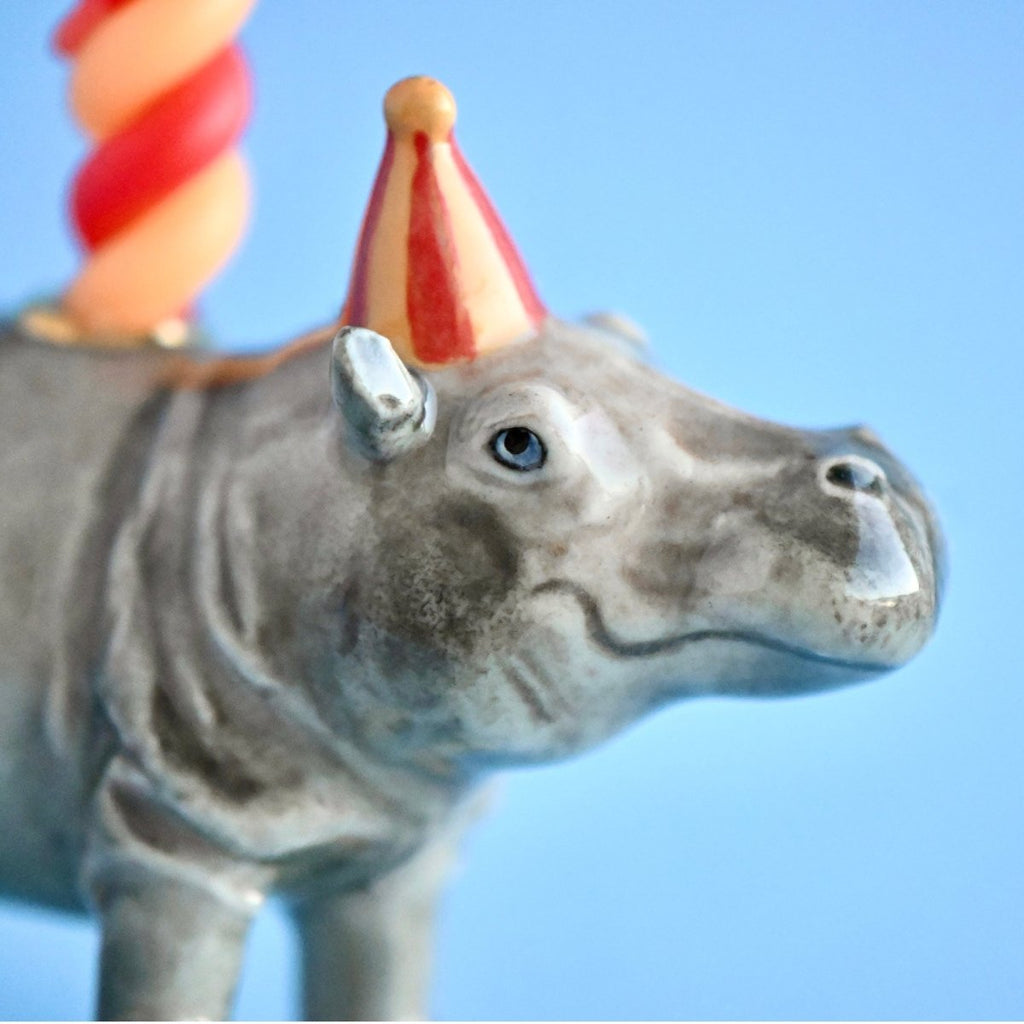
(170, 952)
(366, 952)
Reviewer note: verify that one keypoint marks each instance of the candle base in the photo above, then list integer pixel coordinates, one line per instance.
(49, 321)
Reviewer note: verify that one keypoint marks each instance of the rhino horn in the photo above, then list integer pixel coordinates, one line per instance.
(389, 409)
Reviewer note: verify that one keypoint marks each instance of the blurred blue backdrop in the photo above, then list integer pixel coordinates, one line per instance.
(815, 209)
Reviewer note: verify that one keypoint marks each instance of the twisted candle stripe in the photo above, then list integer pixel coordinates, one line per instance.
(161, 202)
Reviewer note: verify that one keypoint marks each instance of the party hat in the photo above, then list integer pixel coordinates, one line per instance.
(435, 270)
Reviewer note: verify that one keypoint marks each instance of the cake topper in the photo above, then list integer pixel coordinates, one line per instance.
(268, 623)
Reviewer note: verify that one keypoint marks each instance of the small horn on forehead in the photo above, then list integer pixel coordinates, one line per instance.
(435, 270)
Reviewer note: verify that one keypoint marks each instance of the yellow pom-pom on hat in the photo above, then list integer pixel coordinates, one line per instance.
(435, 270)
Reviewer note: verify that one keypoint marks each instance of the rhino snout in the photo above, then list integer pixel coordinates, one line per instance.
(888, 600)
(819, 566)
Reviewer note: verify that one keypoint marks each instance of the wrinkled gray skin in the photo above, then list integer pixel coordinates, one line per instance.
(252, 642)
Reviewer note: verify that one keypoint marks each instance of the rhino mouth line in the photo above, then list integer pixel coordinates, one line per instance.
(601, 635)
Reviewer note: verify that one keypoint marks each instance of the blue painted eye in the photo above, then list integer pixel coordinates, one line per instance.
(519, 449)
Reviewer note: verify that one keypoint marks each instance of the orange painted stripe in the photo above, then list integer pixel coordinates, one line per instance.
(535, 309)
(182, 372)
(492, 301)
(356, 308)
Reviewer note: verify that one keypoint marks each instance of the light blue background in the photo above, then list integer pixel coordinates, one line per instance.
(816, 211)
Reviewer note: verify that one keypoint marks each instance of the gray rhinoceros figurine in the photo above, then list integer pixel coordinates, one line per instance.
(262, 632)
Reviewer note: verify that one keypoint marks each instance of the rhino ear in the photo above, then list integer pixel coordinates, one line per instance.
(388, 408)
(619, 327)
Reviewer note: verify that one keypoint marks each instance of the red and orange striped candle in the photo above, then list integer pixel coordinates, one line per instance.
(435, 270)
(162, 201)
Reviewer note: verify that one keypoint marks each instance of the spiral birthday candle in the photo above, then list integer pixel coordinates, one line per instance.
(162, 200)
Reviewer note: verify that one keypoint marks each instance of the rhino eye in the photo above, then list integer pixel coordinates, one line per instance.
(518, 448)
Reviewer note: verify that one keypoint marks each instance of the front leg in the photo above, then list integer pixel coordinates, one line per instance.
(171, 951)
(366, 952)
(174, 909)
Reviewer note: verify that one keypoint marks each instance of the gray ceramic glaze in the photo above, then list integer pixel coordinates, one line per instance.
(270, 636)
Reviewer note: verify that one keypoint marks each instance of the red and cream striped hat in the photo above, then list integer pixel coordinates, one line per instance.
(435, 270)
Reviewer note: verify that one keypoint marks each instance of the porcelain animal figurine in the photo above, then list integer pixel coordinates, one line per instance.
(265, 625)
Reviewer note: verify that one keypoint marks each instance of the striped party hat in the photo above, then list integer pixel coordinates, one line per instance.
(435, 270)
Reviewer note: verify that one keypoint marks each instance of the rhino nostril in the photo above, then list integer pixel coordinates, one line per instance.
(855, 474)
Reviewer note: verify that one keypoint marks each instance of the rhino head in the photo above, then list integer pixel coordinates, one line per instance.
(534, 538)
(563, 540)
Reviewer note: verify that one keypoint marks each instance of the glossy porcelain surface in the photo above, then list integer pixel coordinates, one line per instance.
(269, 636)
